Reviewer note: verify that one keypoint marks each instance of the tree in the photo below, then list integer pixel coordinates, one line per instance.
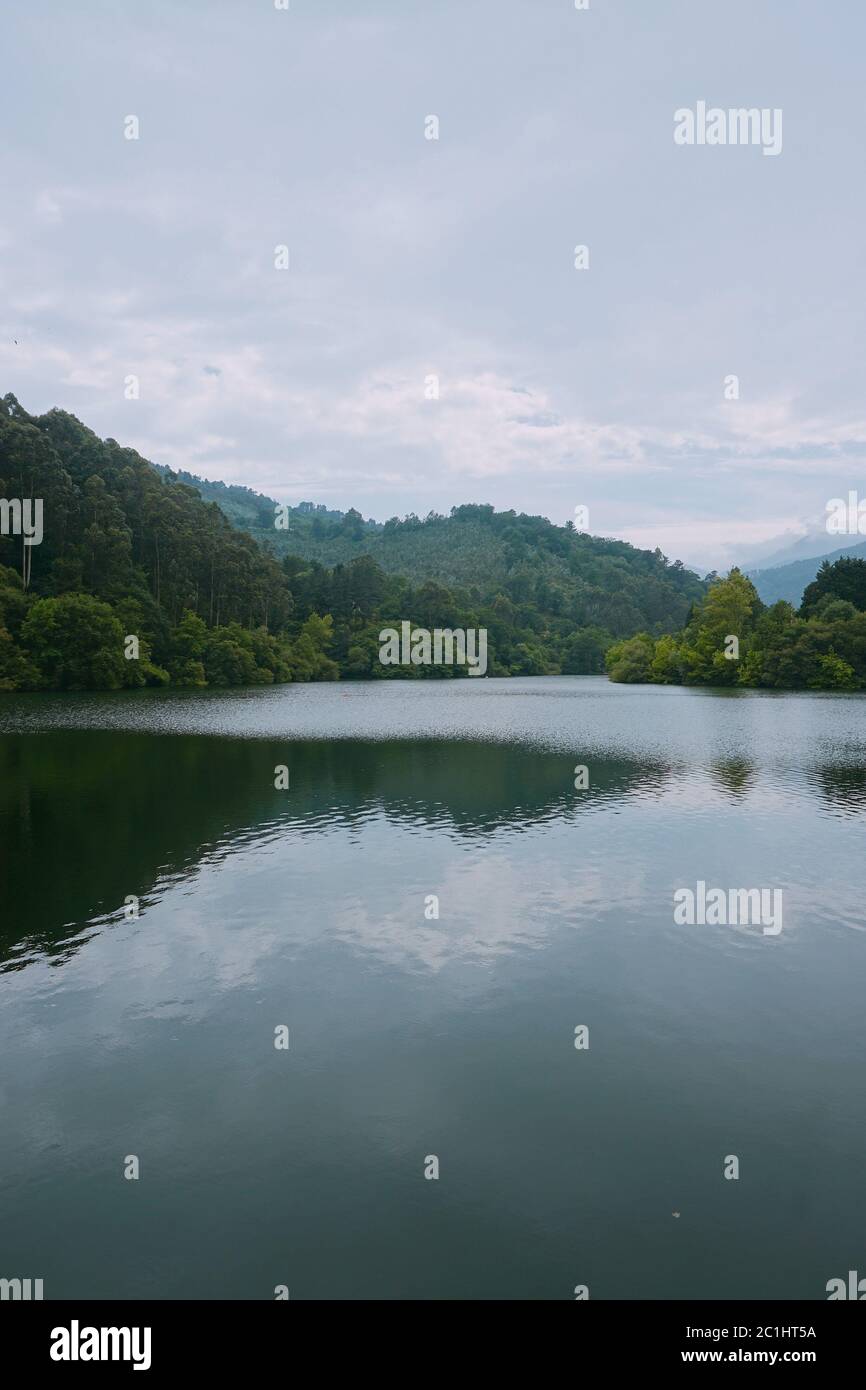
(352, 525)
(187, 650)
(229, 658)
(628, 662)
(584, 653)
(76, 642)
(16, 671)
(728, 610)
(834, 674)
(307, 658)
(845, 579)
(669, 662)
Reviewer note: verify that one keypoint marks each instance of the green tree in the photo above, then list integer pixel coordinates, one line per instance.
(584, 652)
(669, 664)
(17, 672)
(187, 649)
(834, 674)
(307, 659)
(629, 662)
(845, 579)
(729, 609)
(229, 658)
(76, 643)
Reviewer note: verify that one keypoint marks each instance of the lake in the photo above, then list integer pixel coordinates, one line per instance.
(410, 1036)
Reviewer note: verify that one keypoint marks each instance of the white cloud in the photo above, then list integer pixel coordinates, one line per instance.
(451, 256)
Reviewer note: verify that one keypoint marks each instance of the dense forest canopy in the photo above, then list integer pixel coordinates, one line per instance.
(821, 647)
(133, 550)
(590, 579)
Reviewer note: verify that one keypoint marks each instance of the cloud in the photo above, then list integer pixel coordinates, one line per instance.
(454, 257)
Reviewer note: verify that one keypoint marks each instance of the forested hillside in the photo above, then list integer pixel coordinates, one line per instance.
(131, 551)
(821, 647)
(587, 580)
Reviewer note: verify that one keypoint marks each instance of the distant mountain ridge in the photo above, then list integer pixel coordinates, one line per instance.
(770, 555)
(789, 581)
(590, 580)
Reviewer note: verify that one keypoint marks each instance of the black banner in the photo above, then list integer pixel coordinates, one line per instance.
(159, 1338)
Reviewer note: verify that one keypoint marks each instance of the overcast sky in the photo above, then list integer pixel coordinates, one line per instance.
(409, 257)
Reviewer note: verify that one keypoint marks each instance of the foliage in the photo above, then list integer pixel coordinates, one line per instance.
(134, 550)
(75, 642)
(571, 580)
(823, 647)
(846, 579)
(629, 662)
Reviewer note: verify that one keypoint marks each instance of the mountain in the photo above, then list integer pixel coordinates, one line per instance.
(146, 577)
(781, 550)
(246, 509)
(788, 581)
(586, 579)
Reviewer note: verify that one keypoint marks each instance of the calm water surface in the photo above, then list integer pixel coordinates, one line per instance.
(412, 1037)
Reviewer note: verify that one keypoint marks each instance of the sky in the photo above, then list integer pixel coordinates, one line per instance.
(605, 387)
